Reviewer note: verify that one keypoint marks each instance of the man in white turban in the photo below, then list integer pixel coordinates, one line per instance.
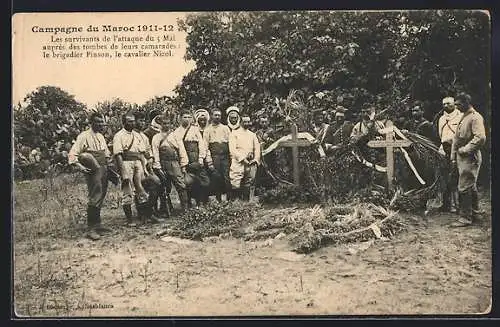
(233, 118)
(201, 117)
(244, 150)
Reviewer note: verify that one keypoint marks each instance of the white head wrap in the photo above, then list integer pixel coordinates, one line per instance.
(155, 125)
(200, 113)
(232, 108)
(229, 124)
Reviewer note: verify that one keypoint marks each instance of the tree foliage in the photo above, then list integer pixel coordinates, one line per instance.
(113, 111)
(390, 59)
(349, 58)
(161, 105)
(48, 115)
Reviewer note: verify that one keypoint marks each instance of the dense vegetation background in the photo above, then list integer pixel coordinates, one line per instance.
(349, 58)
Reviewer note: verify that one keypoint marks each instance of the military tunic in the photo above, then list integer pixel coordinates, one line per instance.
(469, 137)
(131, 147)
(97, 181)
(217, 141)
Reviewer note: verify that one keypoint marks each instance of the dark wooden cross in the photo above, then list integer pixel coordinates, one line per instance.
(295, 143)
(389, 144)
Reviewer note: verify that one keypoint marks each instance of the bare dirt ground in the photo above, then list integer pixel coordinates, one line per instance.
(428, 269)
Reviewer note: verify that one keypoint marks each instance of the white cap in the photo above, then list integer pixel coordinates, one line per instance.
(232, 108)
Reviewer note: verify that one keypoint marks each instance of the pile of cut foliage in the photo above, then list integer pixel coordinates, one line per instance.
(307, 229)
(346, 224)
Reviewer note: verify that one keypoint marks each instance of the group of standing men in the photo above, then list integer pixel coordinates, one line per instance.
(200, 157)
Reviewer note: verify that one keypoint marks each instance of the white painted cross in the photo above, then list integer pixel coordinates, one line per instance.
(389, 144)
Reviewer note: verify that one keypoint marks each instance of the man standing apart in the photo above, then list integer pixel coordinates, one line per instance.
(466, 155)
(90, 144)
(447, 127)
(244, 149)
(128, 151)
(216, 137)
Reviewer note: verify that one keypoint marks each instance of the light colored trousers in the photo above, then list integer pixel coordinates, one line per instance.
(242, 175)
(132, 176)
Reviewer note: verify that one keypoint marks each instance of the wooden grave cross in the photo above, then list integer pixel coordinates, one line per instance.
(389, 144)
(295, 143)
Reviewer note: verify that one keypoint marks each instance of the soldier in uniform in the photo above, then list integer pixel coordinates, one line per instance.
(152, 183)
(420, 125)
(90, 146)
(140, 122)
(364, 131)
(265, 133)
(128, 150)
(470, 136)
(163, 194)
(195, 146)
(322, 129)
(367, 126)
(170, 160)
(341, 134)
(201, 116)
(153, 128)
(216, 136)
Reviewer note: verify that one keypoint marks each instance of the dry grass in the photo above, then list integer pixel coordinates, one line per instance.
(47, 212)
(57, 272)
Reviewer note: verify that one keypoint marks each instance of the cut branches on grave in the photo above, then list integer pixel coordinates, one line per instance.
(306, 229)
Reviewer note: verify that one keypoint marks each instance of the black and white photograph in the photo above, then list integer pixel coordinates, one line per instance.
(251, 163)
